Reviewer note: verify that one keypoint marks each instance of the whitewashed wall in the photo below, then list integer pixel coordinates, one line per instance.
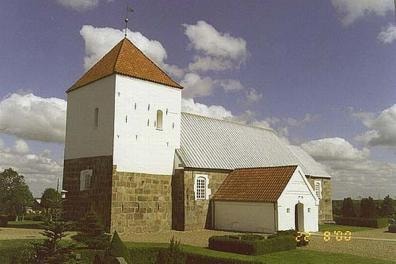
(245, 216)
(83, 139)
(138, 147)
(298, 190)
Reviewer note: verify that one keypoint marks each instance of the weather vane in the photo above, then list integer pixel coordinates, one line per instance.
(129, 10)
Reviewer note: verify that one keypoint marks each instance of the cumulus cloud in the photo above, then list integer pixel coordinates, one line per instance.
(382, 127)
(334, 149)
(231, 85)
(99, 41)
(32, 117)
(351, 10)
(79, 5)
(353, 172)
(21, 146)
(215, 111)
(38, 168)
(218, 51)
(388, 35)
(196, 86)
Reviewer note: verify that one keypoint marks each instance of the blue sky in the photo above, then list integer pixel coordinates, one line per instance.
(320, 73)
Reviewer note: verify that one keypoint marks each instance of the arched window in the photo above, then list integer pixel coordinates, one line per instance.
(159, 119)
(200, 192)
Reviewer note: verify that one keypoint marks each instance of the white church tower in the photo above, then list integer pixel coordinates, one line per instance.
(123, 126)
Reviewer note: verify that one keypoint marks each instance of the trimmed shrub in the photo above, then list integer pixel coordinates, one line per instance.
(3, 220)
(201, 259)
(252, 247)
(118, 248)
(173, 255)
(392, 228)
(358, 221)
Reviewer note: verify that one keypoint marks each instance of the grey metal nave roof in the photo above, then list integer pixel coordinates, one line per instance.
(210, 143)
(310, 166)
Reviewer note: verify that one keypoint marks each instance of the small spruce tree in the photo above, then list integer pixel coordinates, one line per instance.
(368, 208)
(347, 209)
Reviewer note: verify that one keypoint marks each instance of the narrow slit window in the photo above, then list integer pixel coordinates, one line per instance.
(126, 119)
(159, 119)
(96, 118)
(135, 106)
(148, 107)
(148, 122)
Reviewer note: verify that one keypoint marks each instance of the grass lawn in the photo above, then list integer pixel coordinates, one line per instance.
(10, 247)
(25, 224)
(333, 227)
(284, 257)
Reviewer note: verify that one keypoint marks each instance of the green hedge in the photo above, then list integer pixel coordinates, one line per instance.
(252, 247)
(359, 221)
(392, 228)
(202, 259)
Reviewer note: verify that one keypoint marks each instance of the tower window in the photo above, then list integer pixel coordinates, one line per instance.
(166, 112)
(126, 119)
(148, 107)
(85, 179)
(159, 119)
(135, 106)
(96, 117)
(148, 122)
(173, 125)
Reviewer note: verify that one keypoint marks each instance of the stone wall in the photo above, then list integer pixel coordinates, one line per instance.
(140, 203)
(198, 213)
(325, 204)
(98, 197)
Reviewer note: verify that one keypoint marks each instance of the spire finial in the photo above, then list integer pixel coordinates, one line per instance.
(128, 10)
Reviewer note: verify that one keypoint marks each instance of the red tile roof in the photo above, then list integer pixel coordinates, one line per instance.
(126, 59)
(255, 184)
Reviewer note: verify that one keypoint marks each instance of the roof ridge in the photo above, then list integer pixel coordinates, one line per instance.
(178, 85)
(118, 54)
(230, 121)
(267, 167)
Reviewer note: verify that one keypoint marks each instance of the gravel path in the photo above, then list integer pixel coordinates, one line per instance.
(375, 243)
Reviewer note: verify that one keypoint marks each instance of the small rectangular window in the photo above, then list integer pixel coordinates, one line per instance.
(287, 210)
(318, 188)
(96, 118)
(85, 179)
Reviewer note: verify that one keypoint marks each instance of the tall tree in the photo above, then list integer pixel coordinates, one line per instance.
(50, 201)
(368, 208)
(387, 208)
(347, 209)
(15, 195)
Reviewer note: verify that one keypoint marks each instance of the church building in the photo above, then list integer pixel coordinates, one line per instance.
(143, 165)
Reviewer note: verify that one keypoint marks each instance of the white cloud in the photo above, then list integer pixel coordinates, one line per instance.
(351, 10)
(215, 111)
(99, 41)
(21, 146)
(353, 172)
(334, 149)
(79, 5)
(253, 96)
(219, 51)
(196, 86)
(32, 117)
(382, 128)
(231, 85)
(38, 168)
(388, 35)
